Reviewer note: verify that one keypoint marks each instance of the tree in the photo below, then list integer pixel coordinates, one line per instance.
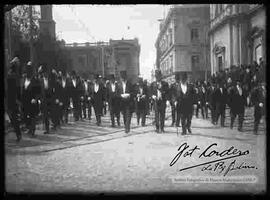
(20, 29)
(21, 21)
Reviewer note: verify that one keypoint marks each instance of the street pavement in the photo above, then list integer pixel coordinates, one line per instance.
(81, 157)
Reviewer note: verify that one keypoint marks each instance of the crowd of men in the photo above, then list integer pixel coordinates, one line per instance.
(56, 94)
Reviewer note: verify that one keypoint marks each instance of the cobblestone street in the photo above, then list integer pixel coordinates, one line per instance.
(85, 158)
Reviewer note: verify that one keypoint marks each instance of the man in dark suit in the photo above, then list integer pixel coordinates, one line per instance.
(172, 99)
(237, 102)
(141, 94)
(258, 96)
(75, 95)
(202, 97)
(220, 101)
(46, 97)
(185, 101)
(89, 100)
(159, 93)
(30, 91)
(113, 97)
(12, 96)
(97, 96)
(55, 106)
(64, 97)
(210, 101)
(84, 97)
(127, 103)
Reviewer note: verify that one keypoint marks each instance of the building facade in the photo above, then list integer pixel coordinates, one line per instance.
(106, 58)
(46, 22)
(182, 44)
(237, 34)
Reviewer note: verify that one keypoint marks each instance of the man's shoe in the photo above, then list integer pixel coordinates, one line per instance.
(189, 130)
(162, 131)
(157, 130)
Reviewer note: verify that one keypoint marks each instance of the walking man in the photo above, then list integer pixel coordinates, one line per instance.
(126, 94)
(185, 101)
(159, 92)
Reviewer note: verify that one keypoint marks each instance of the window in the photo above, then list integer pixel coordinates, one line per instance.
(194, 34)
(258, 53)
(195, 62)
(82, 60)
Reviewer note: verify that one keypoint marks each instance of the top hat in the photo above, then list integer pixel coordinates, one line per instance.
(111, 76)
(157, 72)
(123, 74)
(29, 63)
(177, 76)
(184, 76)
(98, 76)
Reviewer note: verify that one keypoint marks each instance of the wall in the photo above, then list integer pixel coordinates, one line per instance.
(222, 35)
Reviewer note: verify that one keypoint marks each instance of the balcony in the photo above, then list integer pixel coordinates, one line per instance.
(227, 12)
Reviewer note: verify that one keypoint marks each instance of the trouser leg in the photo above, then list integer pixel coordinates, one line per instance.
(128, 119)
(178, 116)
(144, 112)
(162, 117)
(138, 113)
(222, 117)
(240, 120)
(202, 110)
(257, 119)
(183, 123)
(197, 110)
(118, 118)
(206, 112)
(232, 119)
(189, 118)
(173, 114)
(157, 117)
(14, 120)
(112, 114)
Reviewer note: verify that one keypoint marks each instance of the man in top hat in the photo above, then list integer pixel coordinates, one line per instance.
(237, 102)
(30, 92)
(74, 92)
(64, 97)
(159, 93)
(141, 101)
(127, 104)
(220, 99)
(114, 98)
(13, 97)
(185, 101)
(46, 97)
(172, 99)
(97, 96)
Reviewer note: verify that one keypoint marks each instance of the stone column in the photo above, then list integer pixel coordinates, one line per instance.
(235, 44)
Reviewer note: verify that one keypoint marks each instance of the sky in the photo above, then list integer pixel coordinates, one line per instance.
(92, 23)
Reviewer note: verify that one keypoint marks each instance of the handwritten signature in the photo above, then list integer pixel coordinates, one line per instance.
(217, 164)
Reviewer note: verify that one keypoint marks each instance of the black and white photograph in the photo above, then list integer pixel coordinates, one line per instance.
(135, 98)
